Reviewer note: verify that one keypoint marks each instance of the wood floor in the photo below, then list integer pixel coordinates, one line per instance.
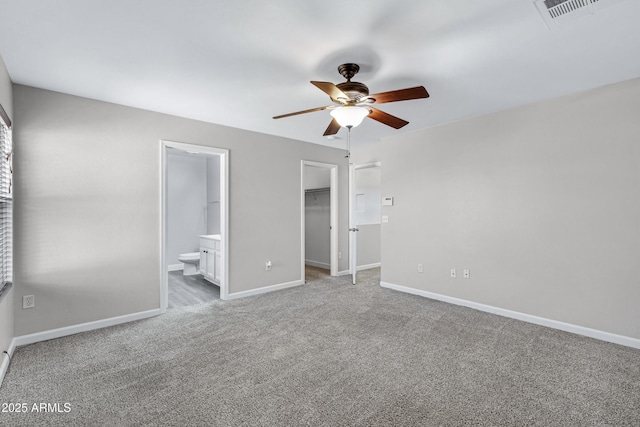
(314, 273)
(186, 291)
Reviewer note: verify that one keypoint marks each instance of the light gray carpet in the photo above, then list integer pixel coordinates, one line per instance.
(327, 353)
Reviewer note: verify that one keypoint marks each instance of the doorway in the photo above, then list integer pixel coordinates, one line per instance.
(319, 209)
(204, 223)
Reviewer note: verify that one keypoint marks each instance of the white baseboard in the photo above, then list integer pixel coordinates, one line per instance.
(6, 359)
(567, 327)
(264, 289)
(175, 267)
(359, 268)
(317, 264)
(83, 327)
(367, 266)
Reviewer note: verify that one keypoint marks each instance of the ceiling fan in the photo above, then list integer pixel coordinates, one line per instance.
(353, 102)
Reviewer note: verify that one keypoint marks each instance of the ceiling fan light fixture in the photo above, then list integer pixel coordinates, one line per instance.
(350, 116)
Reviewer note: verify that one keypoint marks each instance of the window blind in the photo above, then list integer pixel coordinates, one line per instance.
(6, 203)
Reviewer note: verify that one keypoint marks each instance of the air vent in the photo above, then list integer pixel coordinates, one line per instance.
(556, 12)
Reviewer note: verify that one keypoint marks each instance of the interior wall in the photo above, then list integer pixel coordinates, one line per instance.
(368, 252)
(541, 203)
(213, 195)
(186, 202)
(88, 218)
(6, 305)
(315, 177)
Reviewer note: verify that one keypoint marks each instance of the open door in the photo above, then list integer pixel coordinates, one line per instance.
(364, 217)
(353, 229)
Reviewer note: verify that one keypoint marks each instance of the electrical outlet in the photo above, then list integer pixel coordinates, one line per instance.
(339, 255)
(420, 269)
(268, 266)
(453, 273)
(466, 274)
(385, 219)
(28, 301)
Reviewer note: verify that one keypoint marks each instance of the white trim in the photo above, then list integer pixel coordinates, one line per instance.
(83, 327)
(567, 327)
(4, 366)
(224, 224)
(368, 266)
(323, 265)
(164, 274)
(333, 200)
(264, 290)
(175, 267)
(344, 273)
(333, 206)
(353, 240)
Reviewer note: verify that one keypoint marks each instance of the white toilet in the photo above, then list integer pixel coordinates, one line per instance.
(191, 261)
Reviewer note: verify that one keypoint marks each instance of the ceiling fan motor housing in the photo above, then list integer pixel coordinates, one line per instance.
(354, 90)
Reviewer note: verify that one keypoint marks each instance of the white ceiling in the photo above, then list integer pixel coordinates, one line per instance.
(240, 63)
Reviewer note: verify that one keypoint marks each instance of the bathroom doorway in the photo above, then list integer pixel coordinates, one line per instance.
(319, 217)
(194, 226)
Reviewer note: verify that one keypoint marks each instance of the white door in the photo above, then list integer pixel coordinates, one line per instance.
(364, 217)
(353, 239)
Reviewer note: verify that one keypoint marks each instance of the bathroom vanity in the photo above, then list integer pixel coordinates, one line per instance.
(210, 257)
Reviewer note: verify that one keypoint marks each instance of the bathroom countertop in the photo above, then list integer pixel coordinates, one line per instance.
(210, 236)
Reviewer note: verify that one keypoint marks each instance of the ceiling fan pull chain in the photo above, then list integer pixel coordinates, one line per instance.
(348, 156)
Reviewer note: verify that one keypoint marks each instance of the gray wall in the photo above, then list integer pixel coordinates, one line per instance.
(315, 177)
(186, 201)
(88, 206)
(213, 195)
(541, 203)
(6, 306)
(368, 251)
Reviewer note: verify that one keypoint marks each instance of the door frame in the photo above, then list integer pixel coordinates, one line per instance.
(333, 208)
(224, 215)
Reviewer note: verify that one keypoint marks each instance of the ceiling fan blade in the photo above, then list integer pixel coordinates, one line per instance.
(331, 90)
(386, 118)
(303, 112)
(332, 129)
(398, 95)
